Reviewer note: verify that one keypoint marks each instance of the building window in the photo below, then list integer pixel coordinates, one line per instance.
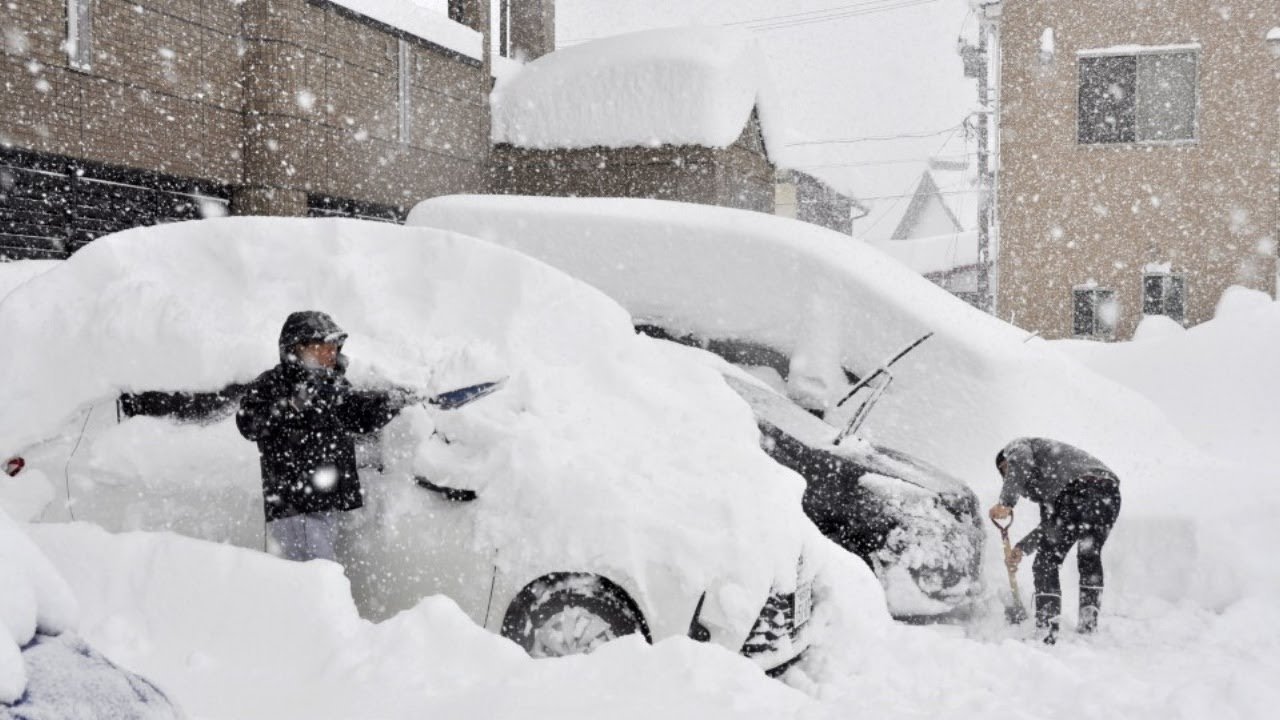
(1095, 313)
(1164, 294)
(1146, 97)
(80, 33)
(404, 71)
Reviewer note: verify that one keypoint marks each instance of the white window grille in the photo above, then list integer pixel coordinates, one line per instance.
(406, 92)
(79, 43)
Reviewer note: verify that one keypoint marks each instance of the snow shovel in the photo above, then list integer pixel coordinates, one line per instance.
(1014, 612)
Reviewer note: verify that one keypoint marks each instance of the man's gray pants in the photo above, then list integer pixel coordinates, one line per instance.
(304, 537)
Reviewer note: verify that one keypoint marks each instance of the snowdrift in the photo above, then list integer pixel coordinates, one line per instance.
(678, 86)
(234, 633)
(33, 598)
(1217, 381)
(599, 450)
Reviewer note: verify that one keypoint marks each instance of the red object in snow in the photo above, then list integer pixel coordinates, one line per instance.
(14, 466)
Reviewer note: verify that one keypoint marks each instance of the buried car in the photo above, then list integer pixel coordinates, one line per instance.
(800, 308)
(585, 500)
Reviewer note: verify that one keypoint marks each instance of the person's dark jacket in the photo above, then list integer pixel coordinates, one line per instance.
(1039, 469)
(305, 420)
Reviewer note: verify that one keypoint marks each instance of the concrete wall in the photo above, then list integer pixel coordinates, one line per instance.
(739, 176)
(280, 98)
(1072, 213)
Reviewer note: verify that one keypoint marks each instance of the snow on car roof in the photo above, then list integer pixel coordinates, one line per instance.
(832, 303)
(680, 86)
(599, 449)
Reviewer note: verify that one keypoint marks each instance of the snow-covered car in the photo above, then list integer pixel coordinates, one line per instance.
(605, 490)
(710, 278)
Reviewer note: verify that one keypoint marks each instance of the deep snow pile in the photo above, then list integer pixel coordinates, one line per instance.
(13, 274)
(33, 597)
(566, 456)
(233, 633)
(1217, 381)
(831, 303)
(679, 86)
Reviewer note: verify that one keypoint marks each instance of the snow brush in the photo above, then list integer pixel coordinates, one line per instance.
(1014, 612)
(455, 399)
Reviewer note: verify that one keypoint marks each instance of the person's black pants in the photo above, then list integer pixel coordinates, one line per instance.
(1082, 515)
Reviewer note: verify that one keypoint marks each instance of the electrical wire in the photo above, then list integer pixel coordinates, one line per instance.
(66, 469)
(896, 5)
(881, 138)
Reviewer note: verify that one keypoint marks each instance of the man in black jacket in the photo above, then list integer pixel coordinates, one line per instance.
(304, 416)
(1079, 500)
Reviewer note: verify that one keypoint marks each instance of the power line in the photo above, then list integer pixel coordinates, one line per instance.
(895, 5)
(906, 136)
(902, 161)
(822, 11)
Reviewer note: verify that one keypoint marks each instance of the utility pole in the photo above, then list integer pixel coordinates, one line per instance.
(984, 172)
(977, 65)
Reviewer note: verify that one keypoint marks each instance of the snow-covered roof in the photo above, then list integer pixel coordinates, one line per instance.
(933, 254)
(682, 86)
(422, 18)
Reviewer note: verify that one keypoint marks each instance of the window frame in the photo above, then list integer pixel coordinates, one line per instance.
(1100, 330)
(1193, 49)
(1167, 278)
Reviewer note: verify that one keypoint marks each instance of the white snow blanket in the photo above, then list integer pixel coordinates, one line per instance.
(830, 302)
(600, 449)
(17, 272)
(234, 634)
(33, 597)
(680, 86)
(1216, 381)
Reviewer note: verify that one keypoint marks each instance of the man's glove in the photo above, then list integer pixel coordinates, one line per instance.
(399, 399)
(1013, 559)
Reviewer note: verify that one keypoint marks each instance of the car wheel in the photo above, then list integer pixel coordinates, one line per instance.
(570, 614)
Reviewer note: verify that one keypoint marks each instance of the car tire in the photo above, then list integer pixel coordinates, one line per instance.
(569, 614)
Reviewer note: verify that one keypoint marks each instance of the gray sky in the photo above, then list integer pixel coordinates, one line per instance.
(847, 69)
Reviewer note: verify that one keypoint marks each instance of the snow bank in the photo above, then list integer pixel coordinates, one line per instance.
(933, 254)
(423, 19)
(32, 598)
(680, 86)
(599, 452)
(1215, 381)
(232, 633)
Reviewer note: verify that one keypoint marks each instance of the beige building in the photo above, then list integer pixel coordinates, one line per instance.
(1139, 146)
(116, 113)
